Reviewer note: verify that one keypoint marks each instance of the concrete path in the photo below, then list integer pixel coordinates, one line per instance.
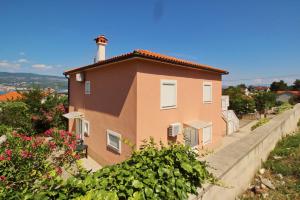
(90, 164)
(243, 131)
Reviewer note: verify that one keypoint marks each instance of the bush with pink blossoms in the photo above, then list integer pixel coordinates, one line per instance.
(25, 159)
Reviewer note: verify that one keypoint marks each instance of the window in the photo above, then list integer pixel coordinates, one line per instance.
(87, 87)
(207, 134)
(114, 140)
(168, 94)
(207, 92)
(191, 136)
(86, 128)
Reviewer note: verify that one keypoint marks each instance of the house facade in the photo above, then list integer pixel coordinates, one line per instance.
(119, 102)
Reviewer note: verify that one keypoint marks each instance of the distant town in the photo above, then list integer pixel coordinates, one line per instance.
(26, 81)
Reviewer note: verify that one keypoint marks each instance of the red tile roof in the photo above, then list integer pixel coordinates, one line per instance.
(10, 96)
(152, 56)
(293, 92)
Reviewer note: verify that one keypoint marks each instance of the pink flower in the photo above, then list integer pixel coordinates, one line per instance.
(2, 157)
(2, 178)
(60, 107)
(77, 156)
(49, 132)
(58, 170)
(8, 152)
(26, 138)
(52, 145)
(26, 154)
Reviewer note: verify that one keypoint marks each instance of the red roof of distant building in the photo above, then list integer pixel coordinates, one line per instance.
(261, 88)
(293, 92)
(10, 96)
(152, 56)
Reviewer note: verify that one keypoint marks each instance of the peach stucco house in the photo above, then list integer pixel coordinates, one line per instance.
(142, 94)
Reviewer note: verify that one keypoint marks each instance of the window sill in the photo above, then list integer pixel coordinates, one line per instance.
(207, 102)
(168, 108)
(115, 150)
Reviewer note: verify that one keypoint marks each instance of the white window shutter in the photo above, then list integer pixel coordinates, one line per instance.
(207, 135)
(207, 92)
(168, 94)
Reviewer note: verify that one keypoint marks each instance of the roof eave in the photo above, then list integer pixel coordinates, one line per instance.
(137, 54)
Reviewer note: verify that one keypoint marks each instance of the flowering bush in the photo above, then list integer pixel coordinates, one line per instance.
(25, 159)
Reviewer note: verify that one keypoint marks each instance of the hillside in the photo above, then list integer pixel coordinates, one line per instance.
(30, 79)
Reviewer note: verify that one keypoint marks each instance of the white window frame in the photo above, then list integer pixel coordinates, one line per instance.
(86, 132)
(211, 135)
(87, 89)
(207, 83)
(110, 132)
(162, 82)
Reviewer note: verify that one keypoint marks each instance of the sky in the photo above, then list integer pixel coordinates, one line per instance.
(257, 41)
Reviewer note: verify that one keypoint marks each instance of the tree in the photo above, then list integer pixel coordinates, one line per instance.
(46, 110)
(238, 101)
(33, 99)
(264, 101)
(296, 85)
(16, 115)
(278, 86)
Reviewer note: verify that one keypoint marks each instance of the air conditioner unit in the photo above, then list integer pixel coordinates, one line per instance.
(80, 77)
(174, 129)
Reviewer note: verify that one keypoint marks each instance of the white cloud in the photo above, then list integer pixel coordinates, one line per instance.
(22, 60)
(9, 66)
(22, 54)
(41, 66)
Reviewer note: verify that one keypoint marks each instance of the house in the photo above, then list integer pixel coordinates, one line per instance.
(10, 96)
(285, 96)
(260, 88)
(142, 94)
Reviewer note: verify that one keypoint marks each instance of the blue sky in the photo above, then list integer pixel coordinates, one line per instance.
(252, 39)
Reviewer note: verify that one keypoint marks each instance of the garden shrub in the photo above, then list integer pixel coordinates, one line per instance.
(283, 107)
(4, 129)
(260, 123)
(24, 160)
(154, 172)
(16, 115)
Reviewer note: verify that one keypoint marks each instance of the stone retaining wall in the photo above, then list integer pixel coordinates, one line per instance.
(237, 163)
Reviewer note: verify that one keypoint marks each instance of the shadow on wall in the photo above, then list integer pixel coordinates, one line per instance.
(157, 68)
(110, 87)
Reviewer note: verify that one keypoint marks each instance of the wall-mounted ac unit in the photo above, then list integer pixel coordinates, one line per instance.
(80, 77)
(174, 129)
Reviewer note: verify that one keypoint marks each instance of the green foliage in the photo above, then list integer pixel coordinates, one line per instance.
(260, 123)
(264, 101)
(46, 110)
(151, 173)
(287, 152)
(283, 107)
(238, 101)
(294, 100)
(296, 85)
(5, 129)
(15, 114)
(278, 86)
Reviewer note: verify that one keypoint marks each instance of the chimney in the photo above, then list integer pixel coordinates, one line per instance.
(101, 42)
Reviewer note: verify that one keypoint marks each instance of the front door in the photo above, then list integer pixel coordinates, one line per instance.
(79, 129)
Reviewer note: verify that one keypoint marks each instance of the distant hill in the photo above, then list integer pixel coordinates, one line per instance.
(30, 79)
